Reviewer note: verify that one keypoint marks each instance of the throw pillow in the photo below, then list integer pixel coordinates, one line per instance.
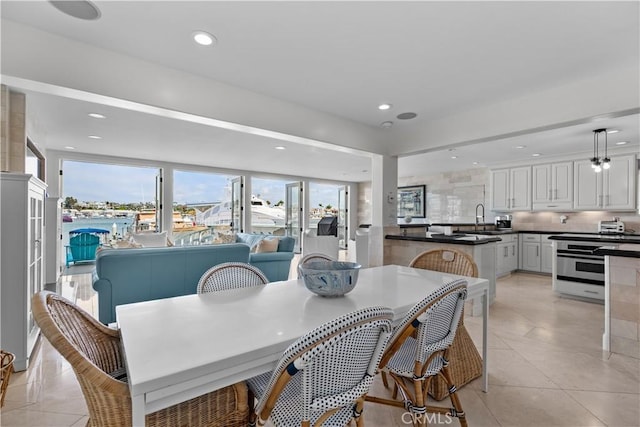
(267, 245)
(151, 240)
(226, 238)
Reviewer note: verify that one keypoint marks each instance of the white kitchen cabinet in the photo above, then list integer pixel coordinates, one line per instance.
(613, 189)
(511, 189)
(552, 187)
(507, 254)
(546, 254)
(529, 252)
(21, 262)
(536, 253)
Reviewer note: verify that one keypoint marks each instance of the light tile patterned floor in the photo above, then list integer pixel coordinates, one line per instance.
(546, 368)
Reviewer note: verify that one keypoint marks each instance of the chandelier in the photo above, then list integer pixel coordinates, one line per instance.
(598, 163)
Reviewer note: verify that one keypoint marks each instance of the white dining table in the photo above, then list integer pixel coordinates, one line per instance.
(179, 348)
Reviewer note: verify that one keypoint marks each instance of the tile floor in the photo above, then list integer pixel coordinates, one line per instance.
(545, 369)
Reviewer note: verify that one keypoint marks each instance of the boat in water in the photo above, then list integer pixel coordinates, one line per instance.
(146, 221)
(264, 217)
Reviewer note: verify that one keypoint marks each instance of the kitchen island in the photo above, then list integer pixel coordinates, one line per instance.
(401, 249)
(622, 299)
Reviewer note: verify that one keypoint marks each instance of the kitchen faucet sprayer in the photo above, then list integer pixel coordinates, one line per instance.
(480, 217)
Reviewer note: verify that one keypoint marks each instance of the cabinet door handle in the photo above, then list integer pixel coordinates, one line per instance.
(550, 197)
(607, 199)
(513, 250)
(506, 251)
(537, 250)
(590, 292)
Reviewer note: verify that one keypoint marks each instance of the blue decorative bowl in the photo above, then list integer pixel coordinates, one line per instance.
(330, 278)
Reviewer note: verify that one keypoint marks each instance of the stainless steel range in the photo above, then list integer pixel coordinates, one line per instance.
(578, 272)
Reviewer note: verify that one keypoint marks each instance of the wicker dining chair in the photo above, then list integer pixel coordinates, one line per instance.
(95, 354)
(313, 257)
(322, 378)
(6, 368)
(418, 352)
(231, 275)
(464, 360)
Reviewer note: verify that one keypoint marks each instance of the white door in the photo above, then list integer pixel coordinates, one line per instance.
(159, 202)
(587, 186)
(562, 184)
(237, 204)
(500, 190)
(531, 256)
(542, 191)
(546, 258)
(343, 217)
(619, 184)
(520, 188)
(293, 213)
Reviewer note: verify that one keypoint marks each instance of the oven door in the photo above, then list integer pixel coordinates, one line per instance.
(580, 268)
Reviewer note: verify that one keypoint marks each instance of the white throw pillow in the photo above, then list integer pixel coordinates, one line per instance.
(151, 240)
(267, 245)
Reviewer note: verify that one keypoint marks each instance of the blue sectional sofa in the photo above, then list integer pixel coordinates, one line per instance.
(124, 276)
(275, 265)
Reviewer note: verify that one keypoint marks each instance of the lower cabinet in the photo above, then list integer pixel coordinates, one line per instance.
(507, 254)
(536, 253)
(546, 251)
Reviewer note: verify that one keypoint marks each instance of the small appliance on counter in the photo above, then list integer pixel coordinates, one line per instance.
(614, 226)
(503, 222)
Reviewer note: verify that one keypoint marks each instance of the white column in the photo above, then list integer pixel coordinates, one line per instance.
(384, 189)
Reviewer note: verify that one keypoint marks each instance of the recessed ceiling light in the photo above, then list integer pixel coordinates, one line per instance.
(535, 155)
(622, 142)
(78, 9)
(68, 147)
(95, 137)
(475, 163)
(521, 146)
(384, 106)
(203, 38)
(407, 116)
(280, 147)
(386, 125)
(97, 116)
(613, 131)
(454, 157)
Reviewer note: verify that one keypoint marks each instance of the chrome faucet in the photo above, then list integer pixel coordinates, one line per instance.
(480, 217)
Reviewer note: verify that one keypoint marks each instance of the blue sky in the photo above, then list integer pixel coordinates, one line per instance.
(95, 182)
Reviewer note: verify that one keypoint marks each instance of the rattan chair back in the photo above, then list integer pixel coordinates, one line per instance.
(94, 352)
(418, 351)
(322, 377)
(313, 257)
(6, 369)
(450, 261)
(231, 275)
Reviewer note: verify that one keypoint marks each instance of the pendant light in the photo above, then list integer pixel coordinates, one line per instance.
(598, 163)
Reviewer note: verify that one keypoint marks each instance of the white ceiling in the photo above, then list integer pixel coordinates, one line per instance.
(344, 58)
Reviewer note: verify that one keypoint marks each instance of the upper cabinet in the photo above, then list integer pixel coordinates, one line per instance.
(511, 189)
(612, 189)
(552, 188)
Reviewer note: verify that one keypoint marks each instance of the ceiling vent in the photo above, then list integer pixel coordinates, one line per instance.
(78, 9)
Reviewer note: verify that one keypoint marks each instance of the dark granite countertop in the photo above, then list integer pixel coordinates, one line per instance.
(455, 239)
(614, 251)
(600, 238)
